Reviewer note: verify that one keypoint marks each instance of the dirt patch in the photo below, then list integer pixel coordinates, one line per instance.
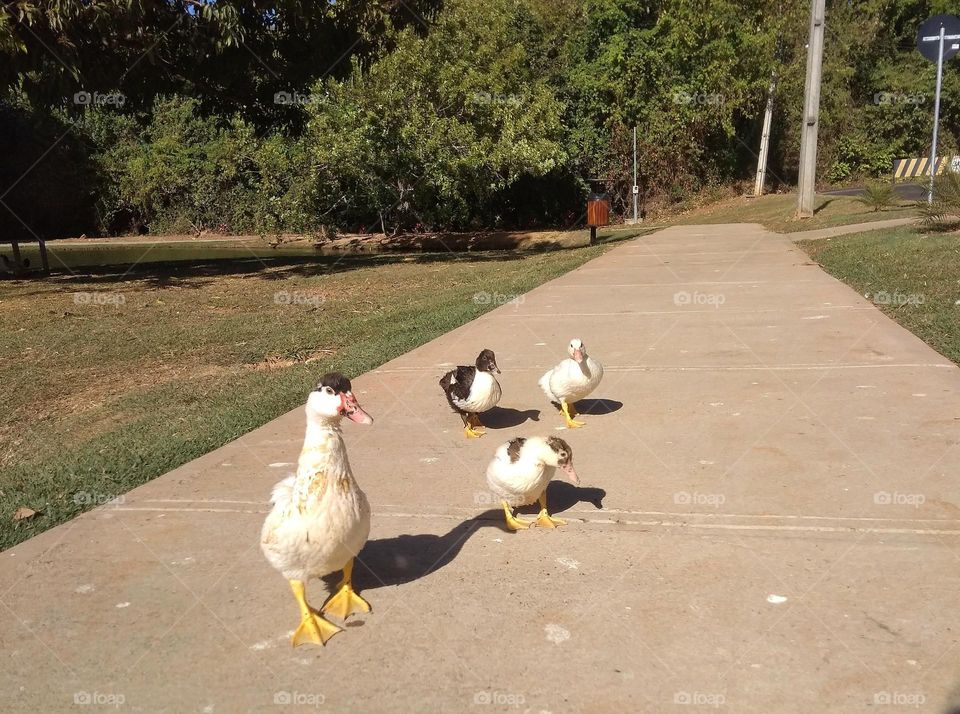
(280, 362)
(376, 242)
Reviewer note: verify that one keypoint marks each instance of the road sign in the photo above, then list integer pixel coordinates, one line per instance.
(938, 39)
(928, 37)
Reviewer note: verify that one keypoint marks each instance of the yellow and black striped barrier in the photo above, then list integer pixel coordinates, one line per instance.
(908, 168)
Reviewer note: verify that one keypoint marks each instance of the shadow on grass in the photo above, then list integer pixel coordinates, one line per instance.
(620, 235)
(823, 205)
(180, 272)
(937, 227)
(195, 274)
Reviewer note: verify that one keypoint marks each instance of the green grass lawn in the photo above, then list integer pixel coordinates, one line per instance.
(777, 213)
(919, 272)
(110, 380)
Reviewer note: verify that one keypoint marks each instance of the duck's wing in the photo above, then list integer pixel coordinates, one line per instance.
(513, 449)
(458, 384)
(545, 381)
(280, 498)
(563, 381)
(282, 492)
(596, 371)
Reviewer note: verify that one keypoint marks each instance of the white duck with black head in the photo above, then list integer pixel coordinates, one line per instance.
(571, 380)
(473, 390)
(320, 517)
(519, 474)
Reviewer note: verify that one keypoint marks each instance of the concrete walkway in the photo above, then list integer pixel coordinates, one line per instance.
(779, 529)
(850, 228)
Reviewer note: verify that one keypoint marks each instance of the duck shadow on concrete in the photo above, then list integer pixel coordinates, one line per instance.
(408, 557)
(562, 496)
(507, 417)
(597, 407)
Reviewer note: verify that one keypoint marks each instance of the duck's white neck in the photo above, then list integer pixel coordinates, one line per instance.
(320, 430)
(323, 454)
(323, 461)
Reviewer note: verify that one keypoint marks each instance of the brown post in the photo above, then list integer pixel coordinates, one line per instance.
(43, 256)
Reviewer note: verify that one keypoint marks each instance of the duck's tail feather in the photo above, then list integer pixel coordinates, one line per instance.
(447, 380)
(447, 383)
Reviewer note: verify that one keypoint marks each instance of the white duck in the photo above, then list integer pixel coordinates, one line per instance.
(572, 380)
(519, 474)
(473, 390)
(320, 518)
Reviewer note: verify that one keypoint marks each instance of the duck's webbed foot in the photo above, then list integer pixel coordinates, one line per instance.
(345, 601)
(314, 628)
(569, 412)
(514, 523)
(472, 427)
(544, 519)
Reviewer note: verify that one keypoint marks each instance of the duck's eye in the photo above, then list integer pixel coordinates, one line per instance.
(327, 390)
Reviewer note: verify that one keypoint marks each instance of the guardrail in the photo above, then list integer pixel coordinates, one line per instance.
(909, 168)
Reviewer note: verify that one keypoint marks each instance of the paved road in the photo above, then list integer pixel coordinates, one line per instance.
(778, 533)
(904, 191)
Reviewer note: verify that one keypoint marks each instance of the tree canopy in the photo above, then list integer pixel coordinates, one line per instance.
(245, 115)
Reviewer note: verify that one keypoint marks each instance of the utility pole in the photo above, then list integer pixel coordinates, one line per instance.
(765, 139)
(811, 111)
(636, 187)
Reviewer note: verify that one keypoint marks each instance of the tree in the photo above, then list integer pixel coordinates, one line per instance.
(232, 55)
(439, 127)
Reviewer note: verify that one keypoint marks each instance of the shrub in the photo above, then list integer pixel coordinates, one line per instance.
(48, 181)
(178, 171)
(946, 201)
(877, 196)
(439, 131)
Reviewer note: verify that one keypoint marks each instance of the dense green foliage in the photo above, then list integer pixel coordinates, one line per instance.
(375, 115)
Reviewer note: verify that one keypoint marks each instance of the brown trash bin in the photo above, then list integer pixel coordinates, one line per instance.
(598, 213)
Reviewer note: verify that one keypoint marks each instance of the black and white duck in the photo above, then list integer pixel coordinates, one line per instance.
(473, 390)
(520, 471)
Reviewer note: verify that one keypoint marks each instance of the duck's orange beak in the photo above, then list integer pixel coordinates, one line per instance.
(350, 408)
(578, 355)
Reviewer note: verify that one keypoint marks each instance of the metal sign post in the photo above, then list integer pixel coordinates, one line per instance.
(938, 40)
(936, 118)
